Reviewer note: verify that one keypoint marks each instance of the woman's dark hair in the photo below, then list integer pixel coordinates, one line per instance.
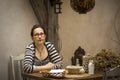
(37, 26)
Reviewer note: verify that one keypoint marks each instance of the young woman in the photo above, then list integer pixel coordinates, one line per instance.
(40, 55)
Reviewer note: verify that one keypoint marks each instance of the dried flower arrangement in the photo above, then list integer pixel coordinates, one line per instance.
(82, 6)
(105, 59)
(86, 59)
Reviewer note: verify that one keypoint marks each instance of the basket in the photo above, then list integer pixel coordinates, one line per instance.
(73, 69)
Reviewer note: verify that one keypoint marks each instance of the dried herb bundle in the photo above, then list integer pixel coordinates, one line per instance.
(105, 59)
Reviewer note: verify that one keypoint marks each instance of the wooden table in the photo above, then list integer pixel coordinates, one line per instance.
(85, 76)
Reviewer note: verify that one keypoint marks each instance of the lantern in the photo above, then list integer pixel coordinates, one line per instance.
(57, 5)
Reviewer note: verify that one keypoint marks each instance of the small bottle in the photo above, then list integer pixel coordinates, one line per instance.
(77, 62)
(91, 67)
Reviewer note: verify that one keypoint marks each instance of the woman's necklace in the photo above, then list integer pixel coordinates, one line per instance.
(40, 51)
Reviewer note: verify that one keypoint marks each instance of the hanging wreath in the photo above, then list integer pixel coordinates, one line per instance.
(82, 6)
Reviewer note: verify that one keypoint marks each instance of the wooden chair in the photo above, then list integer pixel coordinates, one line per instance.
(16, 66)
(112, 74)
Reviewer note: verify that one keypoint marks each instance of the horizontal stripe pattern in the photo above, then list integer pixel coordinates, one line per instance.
(30, 53)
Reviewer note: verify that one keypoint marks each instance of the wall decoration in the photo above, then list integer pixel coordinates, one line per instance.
(82, 6)
(117, 27)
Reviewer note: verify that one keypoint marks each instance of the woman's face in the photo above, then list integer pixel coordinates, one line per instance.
(39, 36)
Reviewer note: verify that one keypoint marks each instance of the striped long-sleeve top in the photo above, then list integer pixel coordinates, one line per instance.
(31, 60)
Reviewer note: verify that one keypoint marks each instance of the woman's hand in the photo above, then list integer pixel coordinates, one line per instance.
(50, 65)
(45, 68)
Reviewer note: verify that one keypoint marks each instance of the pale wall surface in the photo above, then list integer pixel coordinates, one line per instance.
(92, 31)
(16, 20)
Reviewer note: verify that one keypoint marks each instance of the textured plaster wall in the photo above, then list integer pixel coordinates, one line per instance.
(92, 31)
(16, 20)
